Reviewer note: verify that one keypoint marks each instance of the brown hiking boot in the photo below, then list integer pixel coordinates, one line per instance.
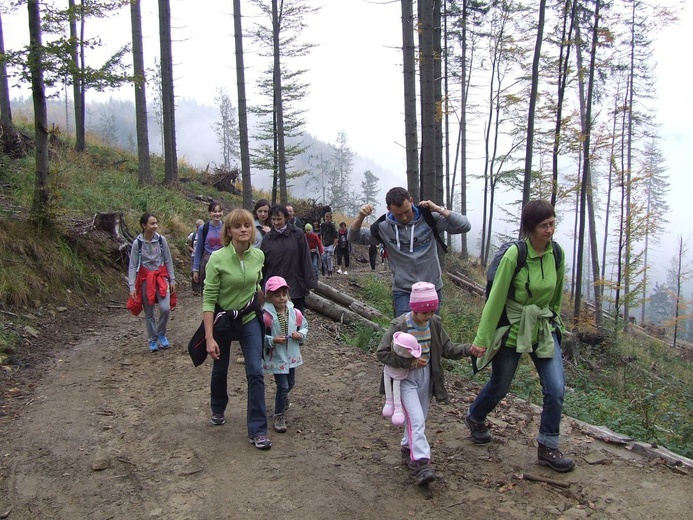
(554, 459)
(479, 431)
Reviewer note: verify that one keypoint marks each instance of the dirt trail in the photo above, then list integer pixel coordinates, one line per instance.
(104, 401)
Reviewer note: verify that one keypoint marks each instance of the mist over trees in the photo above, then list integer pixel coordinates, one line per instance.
(555, 97)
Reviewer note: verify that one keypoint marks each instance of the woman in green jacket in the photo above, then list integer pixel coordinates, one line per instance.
(528, 322)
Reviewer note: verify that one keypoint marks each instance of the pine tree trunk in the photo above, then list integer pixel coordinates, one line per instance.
(410, 121)
(279, 107)
(144, 165)
(242, 108)
(168, 98)
(5, 107)
(40, 213)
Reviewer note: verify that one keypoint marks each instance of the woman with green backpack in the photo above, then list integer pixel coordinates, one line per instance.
(523, 315)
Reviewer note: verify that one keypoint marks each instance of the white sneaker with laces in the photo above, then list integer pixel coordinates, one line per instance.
(345, 272)
(339, 271)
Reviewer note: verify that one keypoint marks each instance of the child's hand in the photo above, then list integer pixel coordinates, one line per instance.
(297, 335)
(279, 339)
(418, 363)
(477, 352)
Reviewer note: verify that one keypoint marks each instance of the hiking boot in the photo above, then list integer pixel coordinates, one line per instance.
(406, 455)
(261, 442)
(163, 341)
(553, 458)
(280, 423)
(218, 419)
(479, 431)
(423, 472)
(153, 346)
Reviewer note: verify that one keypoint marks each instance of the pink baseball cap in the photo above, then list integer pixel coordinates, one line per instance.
(275, 283)
(405, 345)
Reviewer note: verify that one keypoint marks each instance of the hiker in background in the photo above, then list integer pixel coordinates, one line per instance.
(410, 241)
(372, 255)
(287, 255)
(316, 249)
(425, 377)
(233, 281)
(528, 322)
(191, 242)
(343, 248)
(208, 241)
(293, 219)
(262, 220)
(383, 257)
(329, 237)
(152, 280)
(285, 332)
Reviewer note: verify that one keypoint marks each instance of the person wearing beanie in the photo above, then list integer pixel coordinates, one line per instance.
(426, 376)
(409, 240)
(316, 248)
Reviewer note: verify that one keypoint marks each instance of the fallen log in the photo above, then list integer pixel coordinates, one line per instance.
(345, 300)
(537, 478)
(462, 281)
(338, 313)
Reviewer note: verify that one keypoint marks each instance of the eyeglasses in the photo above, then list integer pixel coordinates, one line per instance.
(546, 226)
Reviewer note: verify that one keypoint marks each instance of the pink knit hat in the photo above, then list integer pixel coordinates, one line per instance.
(405, 345)
(424, 297)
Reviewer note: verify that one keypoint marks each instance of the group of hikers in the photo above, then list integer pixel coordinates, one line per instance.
(254, 270)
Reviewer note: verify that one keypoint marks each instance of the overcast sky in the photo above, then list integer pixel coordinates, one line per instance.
(355, 76)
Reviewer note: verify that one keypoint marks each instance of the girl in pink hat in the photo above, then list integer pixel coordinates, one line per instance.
(285, 332)
(425, 376)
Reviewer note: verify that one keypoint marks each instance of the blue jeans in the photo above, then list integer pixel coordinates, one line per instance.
(251, 344)
(285, 382)
(400, 302)
(315, 261)
(550, 370)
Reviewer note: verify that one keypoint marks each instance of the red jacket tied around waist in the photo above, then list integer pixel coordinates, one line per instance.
(157, 282)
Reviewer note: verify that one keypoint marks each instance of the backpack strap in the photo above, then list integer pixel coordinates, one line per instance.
(428, 218)
(205, 230)
(299, 317)
(375, 227)
(267, 318)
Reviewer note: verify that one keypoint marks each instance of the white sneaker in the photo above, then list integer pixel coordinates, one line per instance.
(346, 272)
(339, 271)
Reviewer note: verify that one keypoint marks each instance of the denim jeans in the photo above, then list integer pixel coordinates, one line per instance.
(550, 370)
(400, 302)
(285, 382)
(251, 344)
(156, 328)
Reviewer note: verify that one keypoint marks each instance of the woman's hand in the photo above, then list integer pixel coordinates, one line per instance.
(477, 351)
(173, 287)
(212, 349)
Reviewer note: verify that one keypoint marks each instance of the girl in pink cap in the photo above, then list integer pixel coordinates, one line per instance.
(285, 332)
(425, 376)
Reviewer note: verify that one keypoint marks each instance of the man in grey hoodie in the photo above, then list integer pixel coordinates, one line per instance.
(409, 241)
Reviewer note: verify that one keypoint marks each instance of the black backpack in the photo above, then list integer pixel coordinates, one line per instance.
(521, 262)
(428, 218)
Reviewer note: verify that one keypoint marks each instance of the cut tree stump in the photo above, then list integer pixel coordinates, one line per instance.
(114, 225)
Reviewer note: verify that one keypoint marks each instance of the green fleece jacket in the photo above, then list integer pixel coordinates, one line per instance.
(441, 347)
(533, 314)
(230, 282)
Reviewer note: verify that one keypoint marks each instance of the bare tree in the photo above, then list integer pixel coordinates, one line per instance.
(410, 122)
(39, 210)
(242, 107)
(143, 159)
(5, 107)
(168, 99)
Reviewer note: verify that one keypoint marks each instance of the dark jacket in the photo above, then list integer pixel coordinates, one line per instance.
(441, 347)
(287, 255)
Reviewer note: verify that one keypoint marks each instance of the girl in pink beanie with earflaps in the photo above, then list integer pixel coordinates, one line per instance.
(425, 375)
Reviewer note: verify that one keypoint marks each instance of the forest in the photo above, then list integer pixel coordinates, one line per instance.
(555, 96)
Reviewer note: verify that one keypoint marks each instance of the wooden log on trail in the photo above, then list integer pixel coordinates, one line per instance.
(345, 300)
(465, 283)
(338, 313)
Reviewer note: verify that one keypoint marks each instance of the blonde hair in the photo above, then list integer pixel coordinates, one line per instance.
(237, 216)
